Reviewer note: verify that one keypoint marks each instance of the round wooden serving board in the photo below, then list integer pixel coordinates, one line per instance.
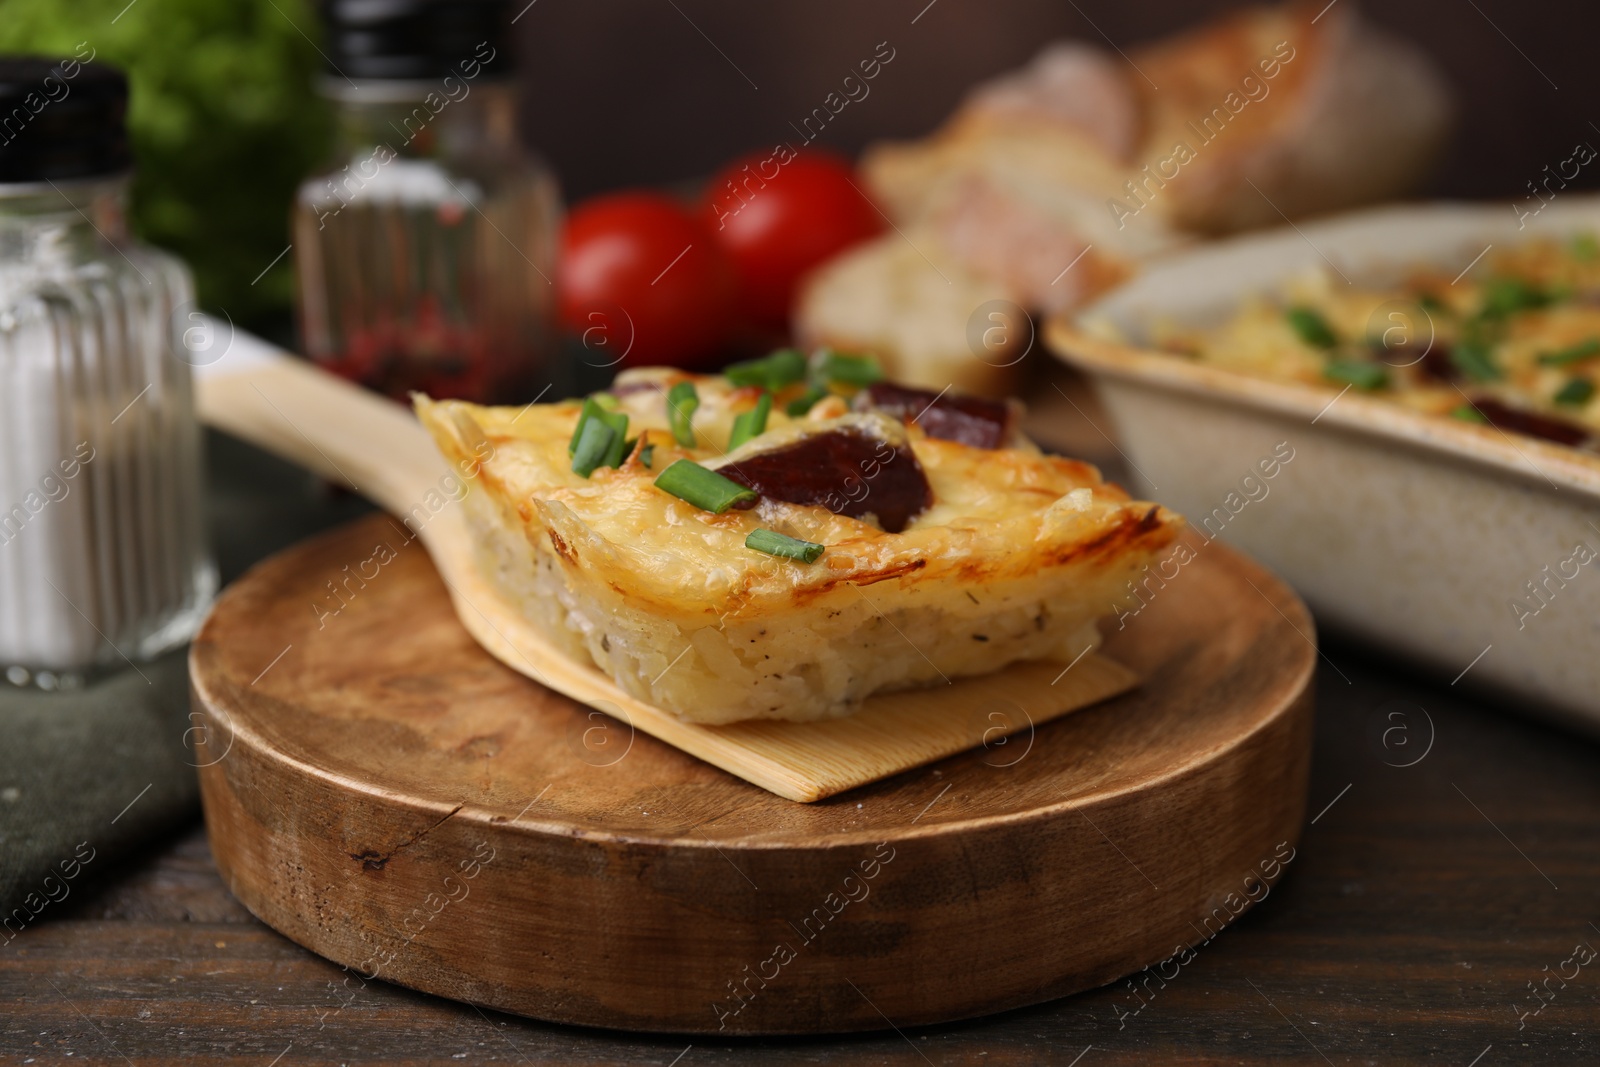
(382, 791)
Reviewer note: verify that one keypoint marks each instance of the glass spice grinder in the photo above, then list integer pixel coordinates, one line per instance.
(425, 251)
(102, 554)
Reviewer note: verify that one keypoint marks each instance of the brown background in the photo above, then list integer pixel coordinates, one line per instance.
(629, 93)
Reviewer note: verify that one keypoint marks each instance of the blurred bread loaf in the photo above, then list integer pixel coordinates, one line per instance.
(1299, 109)
(1055, 181)
(905, 298)
(1016, 183)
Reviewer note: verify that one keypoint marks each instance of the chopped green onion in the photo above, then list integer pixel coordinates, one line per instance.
(1468, 413)
(1576, 392)
(647, 453)
(1584, 246)
(682, 402)
(752, 423)
(1475, 360)
(1580, 351)
(577, 429)
(607, 401)
(781, 368)
(619, 444)
(1360, 375)
(594, 442)
(703, 487)
(1429, 302)
(615, 422)
(776, 544)
(805, 401)
(1311, 327)
(830, 366)
(594, 409)
(1503, 296)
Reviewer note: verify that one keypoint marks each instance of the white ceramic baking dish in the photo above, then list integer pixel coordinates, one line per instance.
(1421, 534)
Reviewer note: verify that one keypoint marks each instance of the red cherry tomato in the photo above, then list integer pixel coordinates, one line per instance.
(642, 282)
(778, 215)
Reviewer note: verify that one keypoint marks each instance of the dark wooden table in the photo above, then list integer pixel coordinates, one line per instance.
(1452, 863)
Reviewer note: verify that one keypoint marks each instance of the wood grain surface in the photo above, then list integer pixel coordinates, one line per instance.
(1405, 931)
(381, 790)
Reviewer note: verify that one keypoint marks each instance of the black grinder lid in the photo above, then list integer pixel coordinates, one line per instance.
(56, 125)
(414, 40)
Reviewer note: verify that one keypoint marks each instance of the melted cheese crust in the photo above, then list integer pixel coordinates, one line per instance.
(997, 514)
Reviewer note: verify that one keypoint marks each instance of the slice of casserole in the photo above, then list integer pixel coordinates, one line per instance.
(813, 540)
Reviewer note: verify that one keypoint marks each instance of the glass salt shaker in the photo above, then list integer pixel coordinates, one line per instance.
(102, 552)
(425, 253)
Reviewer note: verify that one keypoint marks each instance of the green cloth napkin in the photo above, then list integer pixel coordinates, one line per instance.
(85, 777)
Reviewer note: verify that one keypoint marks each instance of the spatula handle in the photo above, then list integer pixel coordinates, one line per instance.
(297, 412)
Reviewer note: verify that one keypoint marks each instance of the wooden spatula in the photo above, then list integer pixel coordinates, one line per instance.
(377, 448)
